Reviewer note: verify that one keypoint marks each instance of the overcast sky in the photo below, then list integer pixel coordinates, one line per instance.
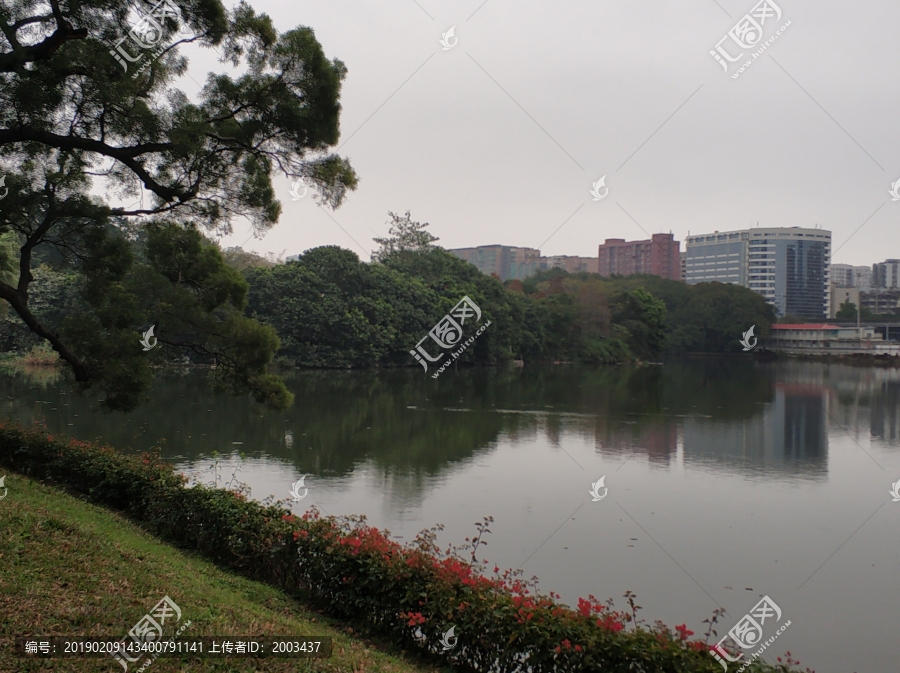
(499, 139)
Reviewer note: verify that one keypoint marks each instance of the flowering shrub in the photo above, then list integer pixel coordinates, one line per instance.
(412, 593)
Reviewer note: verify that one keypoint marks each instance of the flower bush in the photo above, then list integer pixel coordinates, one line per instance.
(412, 593)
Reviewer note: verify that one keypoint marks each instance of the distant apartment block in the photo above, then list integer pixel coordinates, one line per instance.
(658, 256)
(845, 275)
(862, 277)
(886, 274)
(505, 261)
(841, 275)
(788, 266)
(881, 300)
(510, 263)
(570, 263)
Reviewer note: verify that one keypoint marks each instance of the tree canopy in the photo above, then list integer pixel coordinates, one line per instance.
(404, 235)
(90, 121)
(332, 310)
(847, 312)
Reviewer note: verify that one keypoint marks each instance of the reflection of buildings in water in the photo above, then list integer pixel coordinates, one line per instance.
(866, 400)
(658, 440)
(885, 414)
(790, 433)
(655, 437)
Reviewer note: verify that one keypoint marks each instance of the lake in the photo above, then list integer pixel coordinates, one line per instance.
(725, 480)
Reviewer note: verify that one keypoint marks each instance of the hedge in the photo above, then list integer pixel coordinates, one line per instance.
(412, 593)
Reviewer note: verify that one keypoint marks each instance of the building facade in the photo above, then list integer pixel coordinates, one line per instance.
(658, 256)
(717, 257)
(511, 263)
(881, 301)
(841, 275)
(845, 275)
(570, 263)
(789, 267)
(862, 277)
(507, 262)
(829, 339)
(841, 295)
(886, 274)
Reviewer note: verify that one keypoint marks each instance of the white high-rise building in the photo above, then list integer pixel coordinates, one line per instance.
(789, 266)
(841, 275)
(862, 277)
(845, 275)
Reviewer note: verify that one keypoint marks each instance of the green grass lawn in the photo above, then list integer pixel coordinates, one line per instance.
(69, 568)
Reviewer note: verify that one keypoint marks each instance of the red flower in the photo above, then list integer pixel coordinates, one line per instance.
(287, 517)
(683, 631)
(414, 618)
(610, 624)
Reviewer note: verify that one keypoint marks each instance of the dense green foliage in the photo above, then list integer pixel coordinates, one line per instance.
(79, 120)
(847, 312)
(409, 593)
(702, 318)
(332, 310)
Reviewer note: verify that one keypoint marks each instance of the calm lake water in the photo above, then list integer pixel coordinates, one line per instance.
(727, 480)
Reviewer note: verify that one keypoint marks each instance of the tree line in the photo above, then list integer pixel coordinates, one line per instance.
(330, 309)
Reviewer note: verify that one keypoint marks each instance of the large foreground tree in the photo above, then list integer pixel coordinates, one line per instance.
(113, 175)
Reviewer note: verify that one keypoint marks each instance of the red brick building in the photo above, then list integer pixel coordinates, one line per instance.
(659, 256)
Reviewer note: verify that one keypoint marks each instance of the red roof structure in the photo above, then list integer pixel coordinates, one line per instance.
(809, 326)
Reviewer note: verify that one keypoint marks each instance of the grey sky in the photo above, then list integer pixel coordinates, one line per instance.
(498, 139)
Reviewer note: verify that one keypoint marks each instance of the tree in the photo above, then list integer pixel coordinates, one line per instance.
(8, 267)
(332, 310)
(404, 235)
(644, 317)
(847, 312)
(78, 119)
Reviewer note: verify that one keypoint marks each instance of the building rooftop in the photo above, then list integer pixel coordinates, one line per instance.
(809, 326)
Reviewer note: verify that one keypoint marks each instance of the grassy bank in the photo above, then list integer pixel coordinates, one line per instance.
(70, 568)
(417, 596)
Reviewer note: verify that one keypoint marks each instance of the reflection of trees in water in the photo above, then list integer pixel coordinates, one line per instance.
(407, 424)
